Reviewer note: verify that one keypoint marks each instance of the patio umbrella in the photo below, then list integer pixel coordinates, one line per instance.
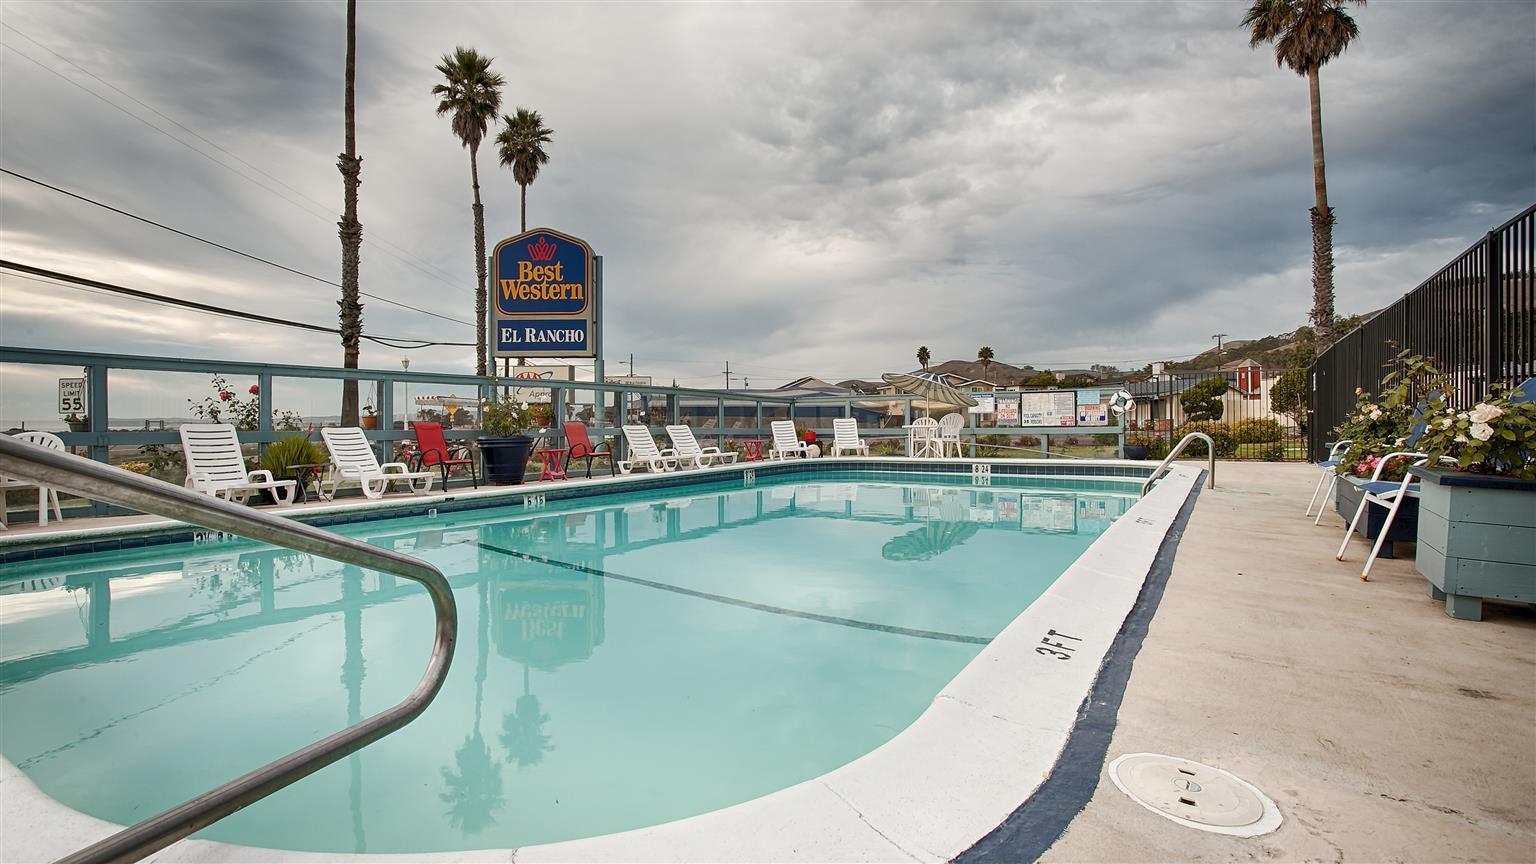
(929, 385)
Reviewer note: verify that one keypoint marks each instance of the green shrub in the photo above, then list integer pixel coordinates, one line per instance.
(1226, 442)
(1274, 452)
(1258, 430)
(1203, 400)
(1159, 448)
(291, 450)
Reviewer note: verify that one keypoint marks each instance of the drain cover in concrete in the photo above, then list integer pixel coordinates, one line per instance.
(1195, 795)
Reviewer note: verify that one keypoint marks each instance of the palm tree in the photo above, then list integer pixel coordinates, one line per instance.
(472, 95)
(473, 791)
(923, 356)
(350, 231)
(985, 356)
(522, 143)
(1307, 34)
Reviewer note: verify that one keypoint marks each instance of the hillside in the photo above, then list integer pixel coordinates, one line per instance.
(1280, 351)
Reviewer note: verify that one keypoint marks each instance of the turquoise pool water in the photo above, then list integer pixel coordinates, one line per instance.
(623, 661)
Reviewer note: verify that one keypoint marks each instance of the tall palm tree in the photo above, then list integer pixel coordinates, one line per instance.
(1307, 34)
(472, 94)
(522, 143)
(350, 231)
(985, 356)
(923, 356)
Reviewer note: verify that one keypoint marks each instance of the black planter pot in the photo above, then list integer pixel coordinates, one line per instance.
(505, 458)
(1136, 451)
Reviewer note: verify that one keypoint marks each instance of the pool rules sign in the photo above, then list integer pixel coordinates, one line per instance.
(543, 296)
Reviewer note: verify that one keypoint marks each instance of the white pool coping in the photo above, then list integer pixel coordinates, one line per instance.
(985, 743)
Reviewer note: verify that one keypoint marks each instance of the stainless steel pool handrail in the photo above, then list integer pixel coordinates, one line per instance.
(94, 480)
(1210, 450)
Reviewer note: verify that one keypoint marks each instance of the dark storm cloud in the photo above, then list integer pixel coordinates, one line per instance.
(800, 189)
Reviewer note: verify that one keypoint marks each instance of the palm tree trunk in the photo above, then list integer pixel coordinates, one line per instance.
(1322, 226)
(525, 206)
(351, 232)
(480, 310)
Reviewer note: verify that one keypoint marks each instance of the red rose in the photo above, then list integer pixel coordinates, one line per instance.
(255, 390)
(226, 395)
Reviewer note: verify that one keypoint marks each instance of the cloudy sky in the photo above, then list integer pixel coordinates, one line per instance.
(795, 188)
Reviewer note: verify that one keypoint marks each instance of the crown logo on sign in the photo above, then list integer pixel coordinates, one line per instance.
(542, 250)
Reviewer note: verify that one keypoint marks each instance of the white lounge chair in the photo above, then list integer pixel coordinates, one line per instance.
(785, 441)
(923, 438)
(216, 466)
(45, 494)
(1388, 494)
(352, 461)
(643, 452)
(845, 436)
(690, 454)
(949, 433)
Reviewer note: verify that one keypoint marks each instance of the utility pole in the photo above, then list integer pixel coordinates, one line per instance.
(1218, 337)
(727, 374)
(631, 364)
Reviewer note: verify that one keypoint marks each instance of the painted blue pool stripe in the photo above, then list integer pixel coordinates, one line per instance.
(1036, 825)
(736, 601)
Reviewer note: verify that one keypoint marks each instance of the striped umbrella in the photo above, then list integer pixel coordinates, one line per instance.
(931, 386)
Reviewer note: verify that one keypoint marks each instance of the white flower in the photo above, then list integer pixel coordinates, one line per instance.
(1485, 412)
(1462, 439)
(1375, 414)
(1482, 431)
(523, 405)
(1446, 423)
(1401, 442)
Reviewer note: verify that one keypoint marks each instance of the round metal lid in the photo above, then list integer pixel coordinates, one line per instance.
(1195, 795)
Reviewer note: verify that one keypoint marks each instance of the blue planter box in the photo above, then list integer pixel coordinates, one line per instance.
(1346, 498)
(1477, 539)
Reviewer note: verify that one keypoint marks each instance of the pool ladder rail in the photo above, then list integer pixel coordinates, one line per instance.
(61, 470)
(1162, 467)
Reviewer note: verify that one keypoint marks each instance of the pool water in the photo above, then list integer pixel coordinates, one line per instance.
(622, 661)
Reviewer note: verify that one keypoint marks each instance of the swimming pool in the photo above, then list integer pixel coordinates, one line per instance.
(623, 661)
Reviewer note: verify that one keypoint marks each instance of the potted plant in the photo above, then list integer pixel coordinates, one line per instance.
(1137, 443)
(78, 423)
(370, 419)
(1477, 519)
(504, 449)
(284, 456)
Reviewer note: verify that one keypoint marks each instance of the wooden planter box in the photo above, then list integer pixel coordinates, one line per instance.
(1477, 539)
(1346, 498)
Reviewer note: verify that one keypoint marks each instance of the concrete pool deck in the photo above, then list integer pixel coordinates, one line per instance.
(1384, 729)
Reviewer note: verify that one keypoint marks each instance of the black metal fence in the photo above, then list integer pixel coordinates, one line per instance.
(1476, 317)
(1247, 414)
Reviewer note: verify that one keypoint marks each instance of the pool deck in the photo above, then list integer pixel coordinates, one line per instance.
(1384, 729)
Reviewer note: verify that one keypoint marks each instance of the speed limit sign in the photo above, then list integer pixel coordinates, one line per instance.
(72, 396)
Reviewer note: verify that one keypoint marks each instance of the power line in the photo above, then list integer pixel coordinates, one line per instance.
(217, 245)
(82, 282)
(377, 242)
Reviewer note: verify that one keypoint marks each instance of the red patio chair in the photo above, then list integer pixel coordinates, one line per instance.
(581, 448)
(432, 449)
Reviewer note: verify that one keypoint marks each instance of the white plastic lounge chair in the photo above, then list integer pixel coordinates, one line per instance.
(1330, 475)
(785, 441)
(45, 494)
(949, 433)
(643, 452)
(845, 436)
(352, 461)
(1388, 494)
(923, 438)
(216, 466)
(690, 454)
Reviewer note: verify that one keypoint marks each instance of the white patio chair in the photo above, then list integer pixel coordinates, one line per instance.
(690, 454)
(643, 452)
(949, 433)
(1330, 476)
(785, 441)
(353, 461)
(923, 438)
(45, 494)
(1389, 494)
(215, 466)
(845, 436)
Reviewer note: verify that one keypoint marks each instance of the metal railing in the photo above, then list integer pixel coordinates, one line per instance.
(94, 480)
(1210, 450)
(1476, 317)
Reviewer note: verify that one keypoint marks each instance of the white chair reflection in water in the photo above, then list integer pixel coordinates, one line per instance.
(923, 438)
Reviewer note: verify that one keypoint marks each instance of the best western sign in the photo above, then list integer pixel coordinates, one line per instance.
(543, 302)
